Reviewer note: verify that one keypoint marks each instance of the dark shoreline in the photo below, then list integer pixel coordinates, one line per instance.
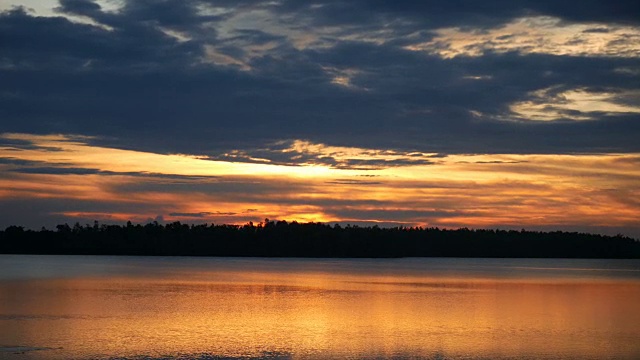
(311, 240)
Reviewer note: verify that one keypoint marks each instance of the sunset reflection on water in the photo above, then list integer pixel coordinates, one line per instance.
(418, 308)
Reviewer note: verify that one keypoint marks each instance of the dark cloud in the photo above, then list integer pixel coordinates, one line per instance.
(80, 7)
(494, 162)
(20, 166)
(37, 212)
(597, 30)
(137, 86)
(470, 13)
(202, 215)
(18, 162)
(199, 215)
(619, 11)
(18, 145)
(353, 182)
(285, 153)
(56, 171)
(232, 189)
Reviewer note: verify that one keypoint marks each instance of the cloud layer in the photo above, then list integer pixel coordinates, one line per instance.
(220, 76)
(594, 192)
(461, 113)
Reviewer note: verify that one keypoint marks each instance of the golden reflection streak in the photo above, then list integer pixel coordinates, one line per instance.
(326, 313)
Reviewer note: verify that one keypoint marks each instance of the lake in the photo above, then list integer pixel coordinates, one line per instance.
(109, 307)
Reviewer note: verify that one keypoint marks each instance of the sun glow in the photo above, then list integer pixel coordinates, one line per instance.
(488, 190)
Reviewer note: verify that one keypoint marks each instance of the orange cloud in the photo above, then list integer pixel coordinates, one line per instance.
(454, 191)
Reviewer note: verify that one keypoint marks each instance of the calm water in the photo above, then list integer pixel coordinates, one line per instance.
(86, 307)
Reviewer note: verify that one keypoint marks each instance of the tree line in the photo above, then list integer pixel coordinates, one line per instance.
(293, 239)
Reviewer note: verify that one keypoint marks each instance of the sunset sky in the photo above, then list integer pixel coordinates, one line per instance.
(480, 114)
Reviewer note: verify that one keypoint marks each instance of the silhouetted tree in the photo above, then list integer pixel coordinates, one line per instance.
(280, 238)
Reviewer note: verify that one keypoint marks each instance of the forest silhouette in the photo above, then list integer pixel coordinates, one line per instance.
(292, 239)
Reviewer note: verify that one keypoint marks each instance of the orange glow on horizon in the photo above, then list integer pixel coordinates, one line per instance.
(453, 191)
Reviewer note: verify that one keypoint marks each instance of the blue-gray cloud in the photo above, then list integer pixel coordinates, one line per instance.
(131, 80)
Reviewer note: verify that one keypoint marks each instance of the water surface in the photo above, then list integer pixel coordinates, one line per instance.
(90, 307)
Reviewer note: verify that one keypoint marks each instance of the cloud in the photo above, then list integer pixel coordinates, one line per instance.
(577, 104)
(242, 76)
(201, 215)
(352, 182)
(485, 190)
(435, 14)
(80, 7)
(530, 35)
(299, 152)
(379, 111)
(55, 171)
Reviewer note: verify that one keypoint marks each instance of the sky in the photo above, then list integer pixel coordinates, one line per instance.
(480, 114)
